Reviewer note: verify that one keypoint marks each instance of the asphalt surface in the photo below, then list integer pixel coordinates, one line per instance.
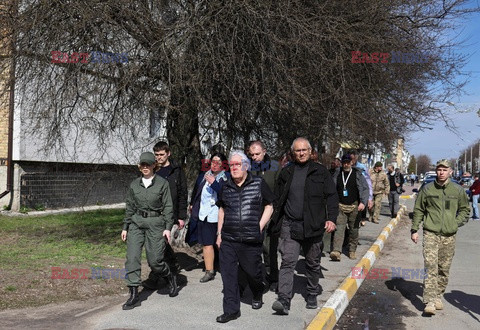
(397, 303)
(198, 304)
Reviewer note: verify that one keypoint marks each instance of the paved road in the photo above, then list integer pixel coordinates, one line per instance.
(397, 303)
(198, 304)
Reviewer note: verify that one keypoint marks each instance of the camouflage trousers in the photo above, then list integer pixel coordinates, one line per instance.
(377, 206)
(438, 251)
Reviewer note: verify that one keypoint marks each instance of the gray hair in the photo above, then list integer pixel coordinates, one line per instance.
(245, 159)
(300, 139)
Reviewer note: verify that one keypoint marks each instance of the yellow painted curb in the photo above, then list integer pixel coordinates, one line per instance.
(325, 319)
(327, 316)
(349, 285)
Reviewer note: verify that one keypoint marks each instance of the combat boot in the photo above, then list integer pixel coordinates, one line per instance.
(429, 309)
(133, 300)
(335, 255)
(438, 304)
(172, 281)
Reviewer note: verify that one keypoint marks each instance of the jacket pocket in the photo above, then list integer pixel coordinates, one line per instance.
(316, 186)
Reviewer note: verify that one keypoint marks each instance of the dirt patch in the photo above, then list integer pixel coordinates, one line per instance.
(40, 285)
(378, 303)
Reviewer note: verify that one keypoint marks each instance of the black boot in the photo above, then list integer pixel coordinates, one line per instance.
(172, 281)
(133, 300)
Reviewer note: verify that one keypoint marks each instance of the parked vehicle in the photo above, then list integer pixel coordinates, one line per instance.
(432, 178)
(466, 181)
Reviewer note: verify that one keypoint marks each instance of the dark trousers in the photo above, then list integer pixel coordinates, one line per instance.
(154, 246)
(290, 251)
(249, 257)
(270, 257)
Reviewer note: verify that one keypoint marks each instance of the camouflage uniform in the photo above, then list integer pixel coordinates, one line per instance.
(438, 251)
(442, 209)
(380, 186)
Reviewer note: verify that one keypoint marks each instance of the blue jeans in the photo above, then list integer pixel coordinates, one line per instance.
(475, 205)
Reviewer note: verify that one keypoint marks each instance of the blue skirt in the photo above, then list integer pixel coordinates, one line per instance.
(206, 232)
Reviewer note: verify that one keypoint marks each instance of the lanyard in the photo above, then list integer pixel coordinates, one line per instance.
(345, 181)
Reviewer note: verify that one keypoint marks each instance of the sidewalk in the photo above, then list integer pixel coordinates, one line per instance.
(198, 304)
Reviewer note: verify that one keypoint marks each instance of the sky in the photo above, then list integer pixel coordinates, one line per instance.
(440, 142)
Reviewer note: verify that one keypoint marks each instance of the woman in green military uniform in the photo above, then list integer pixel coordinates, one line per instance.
(148, 221)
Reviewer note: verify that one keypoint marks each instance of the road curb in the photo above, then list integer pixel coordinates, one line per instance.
(341, 297)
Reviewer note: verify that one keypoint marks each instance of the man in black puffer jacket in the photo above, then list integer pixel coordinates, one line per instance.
(245, 207)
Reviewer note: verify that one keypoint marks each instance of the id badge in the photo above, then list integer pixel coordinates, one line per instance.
(345, 193)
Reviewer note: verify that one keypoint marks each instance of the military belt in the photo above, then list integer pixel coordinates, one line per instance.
(148, 214)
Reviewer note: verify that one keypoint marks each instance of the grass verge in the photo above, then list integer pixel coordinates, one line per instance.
(31, 246)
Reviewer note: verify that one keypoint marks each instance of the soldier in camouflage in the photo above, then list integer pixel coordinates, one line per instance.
(443, 207)
(380, 186)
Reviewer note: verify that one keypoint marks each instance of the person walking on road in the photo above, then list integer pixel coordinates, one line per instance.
(362, 215)
(173, 173)
(148, 221)
(395, 182)
(412, 179)
(381, 187)
(475, 189)
(205, 211)
(267, 169)
(245, 206)
(352, 189)
(442, 206)
(307, 206)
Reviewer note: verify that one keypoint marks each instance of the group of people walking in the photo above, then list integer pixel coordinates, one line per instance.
(250, 210)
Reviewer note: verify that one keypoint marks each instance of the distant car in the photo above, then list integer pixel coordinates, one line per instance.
(466, 181)
(431, 178)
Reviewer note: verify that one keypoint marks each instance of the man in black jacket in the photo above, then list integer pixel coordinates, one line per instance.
(267, 169)
(245, 207)
(175, 176)
(307, 206)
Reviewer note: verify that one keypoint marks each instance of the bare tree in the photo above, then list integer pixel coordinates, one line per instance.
(240, 69)
(424, 164)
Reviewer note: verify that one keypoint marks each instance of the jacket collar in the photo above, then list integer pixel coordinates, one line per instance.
(438, 185)
(248, 180)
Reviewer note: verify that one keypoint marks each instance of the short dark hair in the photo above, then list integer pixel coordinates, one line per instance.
(257, 142)
(353, 152)
(220, 155)
(161, 146)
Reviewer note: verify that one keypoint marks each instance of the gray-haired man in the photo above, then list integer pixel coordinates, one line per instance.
(245, 207)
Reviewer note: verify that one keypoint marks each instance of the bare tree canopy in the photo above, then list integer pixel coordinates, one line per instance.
(424, 164)
(240, 69)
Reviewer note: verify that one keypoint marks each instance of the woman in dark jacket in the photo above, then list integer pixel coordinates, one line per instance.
(204, 210)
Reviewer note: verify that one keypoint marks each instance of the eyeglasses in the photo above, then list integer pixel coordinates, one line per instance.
(297, 151)
(236, 164)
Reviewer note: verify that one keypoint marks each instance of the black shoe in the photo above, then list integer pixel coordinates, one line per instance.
(209, 275)
(257, 302)
(281, 306)
(224, 318)
(133, 300)
(172, 281)
(312, 301)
